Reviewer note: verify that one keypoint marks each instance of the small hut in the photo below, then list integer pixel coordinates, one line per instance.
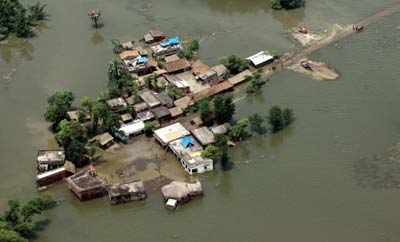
(87, 185)
(126, 192)
(182, 192)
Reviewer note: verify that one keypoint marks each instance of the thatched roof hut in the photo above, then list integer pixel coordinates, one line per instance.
(181, 191)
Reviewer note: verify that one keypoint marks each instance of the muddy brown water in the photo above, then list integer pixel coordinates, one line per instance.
(317, 181)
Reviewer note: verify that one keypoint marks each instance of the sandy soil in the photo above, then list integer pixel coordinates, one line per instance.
(320, 71)
(141, 159)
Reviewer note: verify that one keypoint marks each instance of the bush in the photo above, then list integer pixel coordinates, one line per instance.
(58, 106)
(240, 130)
(287, 4)
(224, 109)
(235, 64)
(280, 119)
(148, 129)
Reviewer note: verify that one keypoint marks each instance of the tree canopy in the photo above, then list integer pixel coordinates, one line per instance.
(72, 136)
(224, 109)
(18, 19)
(287, 4)
(235, 64)
(21, 221)
(280, 119)
(58, 106)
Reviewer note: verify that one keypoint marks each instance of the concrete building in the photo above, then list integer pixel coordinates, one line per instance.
(170, 133)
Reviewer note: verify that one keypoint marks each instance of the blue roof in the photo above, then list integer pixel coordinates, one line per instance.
(187, 141)
(171, 41)
(141, 59)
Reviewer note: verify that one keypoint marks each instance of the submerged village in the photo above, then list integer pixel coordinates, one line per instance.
(164, 100)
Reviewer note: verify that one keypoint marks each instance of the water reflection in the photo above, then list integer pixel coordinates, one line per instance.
(239, 6)
(380, 171)
(289, 19)
(97, 38)
(15, 48)
(279, 138)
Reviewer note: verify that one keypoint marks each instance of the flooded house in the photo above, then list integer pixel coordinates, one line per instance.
(165, 100)
(126, 192)
(117, 104)
(161, 113)
(154, 36)
(104, 140)
(260, 59)
(213, 90)
(145, 116)
(132, 129)
(178, 192)
(170, 133)
(55, 175)
(140, 107)
(49, 159)
(126, 117)
(179, 65)
(167, 47)
(189, 153)
(141, 65)
(149, 98)
(221, 72)
(221, 129)
(184, 102)
(176, 112)
(198, 68)
(129, 55)
(171, 58)
(178, 83)
(76, 115)
(204, 135)
(241, 77)
(87, 185)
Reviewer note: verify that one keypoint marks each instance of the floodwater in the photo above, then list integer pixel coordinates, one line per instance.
(319, 180)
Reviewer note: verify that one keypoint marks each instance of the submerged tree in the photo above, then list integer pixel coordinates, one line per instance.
(235, 64)
(20, 222)
(224, 109)
(95, 16)
(280, 119)
(256, 123)
(287, 4)
(255, 83)
(15, 18)
(240, 130)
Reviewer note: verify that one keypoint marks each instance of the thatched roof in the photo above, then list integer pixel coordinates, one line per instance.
(181, 191)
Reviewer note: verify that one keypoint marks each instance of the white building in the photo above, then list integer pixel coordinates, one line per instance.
(260, 59)
(189, 151)
(170, 133)
(134, 128)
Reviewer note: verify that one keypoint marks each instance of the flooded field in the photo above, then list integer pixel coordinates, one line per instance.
(333, 176)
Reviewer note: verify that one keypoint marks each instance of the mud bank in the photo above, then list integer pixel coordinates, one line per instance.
(317, 70)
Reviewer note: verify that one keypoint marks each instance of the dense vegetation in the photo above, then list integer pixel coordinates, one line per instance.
(287, 4)
(17, 19)
(235, 64)
(21, 222)
(189, 51)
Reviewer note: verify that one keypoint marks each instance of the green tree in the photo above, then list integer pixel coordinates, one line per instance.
(16, 18)
(280, 119)
(37, 12)
(205, 109)
(19, 222)
(240, 130)
(72, 136)
(288, 117)
(255, 83)
(275, 119)
(212, 152)
(58, 106)
(287, 4)
(235, 64)
(224, 109)
(256, 123)
(148, 129)
(7, 235)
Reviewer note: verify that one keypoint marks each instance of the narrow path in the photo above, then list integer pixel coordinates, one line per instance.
(298, 54)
